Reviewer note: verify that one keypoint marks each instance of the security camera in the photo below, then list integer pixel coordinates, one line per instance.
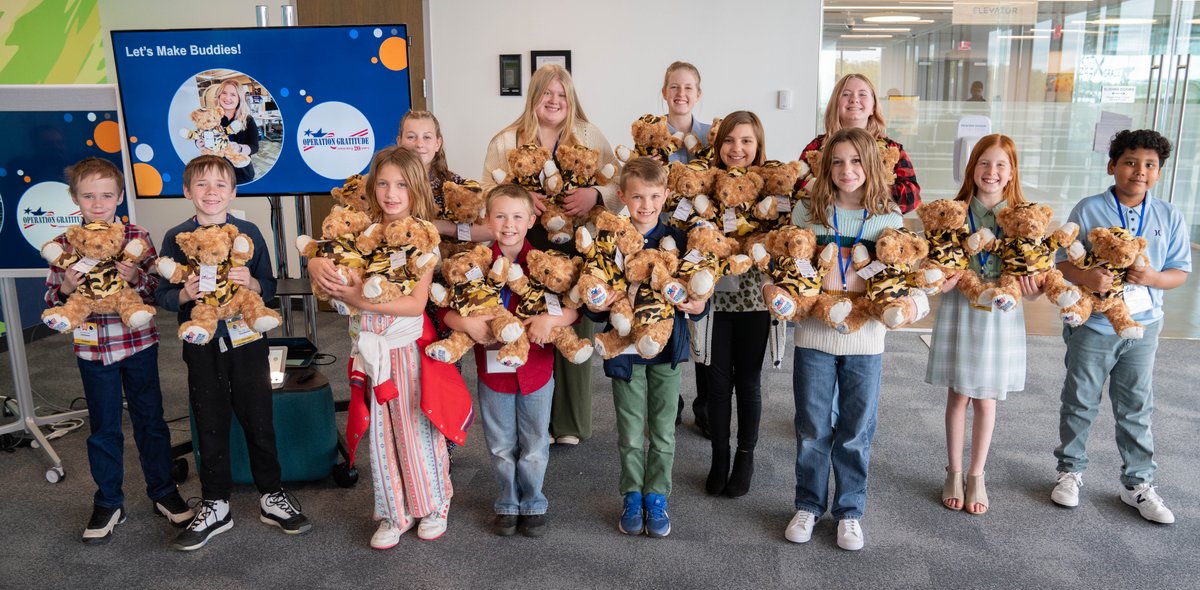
(850, 23)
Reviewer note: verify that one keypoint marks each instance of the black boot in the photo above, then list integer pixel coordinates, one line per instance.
(718, 474)
(743, 472)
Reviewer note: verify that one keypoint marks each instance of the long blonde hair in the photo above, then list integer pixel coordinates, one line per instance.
(876, 125)
(877, 193)
(526, 125)
(438, 166)
(420, 196)
(243, 110)
(729, 123)
(1012, 192)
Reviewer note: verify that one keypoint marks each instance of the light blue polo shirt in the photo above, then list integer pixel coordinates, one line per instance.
(1168, 244)
(700, 130)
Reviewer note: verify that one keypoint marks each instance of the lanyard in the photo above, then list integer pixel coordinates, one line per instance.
(983, 256)
(1141, 215)
(845, 266)
(505, 293)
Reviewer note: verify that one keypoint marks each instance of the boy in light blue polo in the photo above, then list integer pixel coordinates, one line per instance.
(1095, 352)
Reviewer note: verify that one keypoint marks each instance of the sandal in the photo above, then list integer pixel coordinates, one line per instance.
(976, 494)
(953, 489)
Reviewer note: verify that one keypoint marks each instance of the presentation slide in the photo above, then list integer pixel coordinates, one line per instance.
(296, 110)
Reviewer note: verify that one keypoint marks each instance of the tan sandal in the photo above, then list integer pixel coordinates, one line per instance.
(953, 489)
(976, 494)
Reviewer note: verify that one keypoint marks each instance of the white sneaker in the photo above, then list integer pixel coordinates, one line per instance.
(431, 527)
(850, 534)
(800, 528)
(1066, 491)
(388, 534)
(567, 440)
(1148, 502)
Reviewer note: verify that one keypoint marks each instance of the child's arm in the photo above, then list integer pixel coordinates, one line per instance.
(167, 294)
(146, 282)
(1097, 279)
(539, 326)
(496, 158)
(476, 326)
(1164, 279)
(479, 232)
(405, 306)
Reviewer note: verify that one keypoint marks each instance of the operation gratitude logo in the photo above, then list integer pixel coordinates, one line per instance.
(335, 140)
(46, 210)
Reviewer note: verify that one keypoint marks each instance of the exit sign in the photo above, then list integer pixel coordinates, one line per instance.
(964, 45)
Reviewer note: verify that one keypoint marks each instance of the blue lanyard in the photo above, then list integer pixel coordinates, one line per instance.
(983, 256)
(1141, 215)
(505, 293)
(845, 266)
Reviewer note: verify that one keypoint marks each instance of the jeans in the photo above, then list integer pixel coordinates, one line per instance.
(646, 404)
(138, 374)
(1128, 365)
(848, 445)
(739, 343)
(516, 429)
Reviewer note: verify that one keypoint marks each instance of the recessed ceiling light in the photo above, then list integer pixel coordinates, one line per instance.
(1119, 21)
(882, 29)
(1022, 37)
(853, 36)
(892, 19)
(942, 8)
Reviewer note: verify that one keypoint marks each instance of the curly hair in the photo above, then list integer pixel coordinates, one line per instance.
(1139, 139)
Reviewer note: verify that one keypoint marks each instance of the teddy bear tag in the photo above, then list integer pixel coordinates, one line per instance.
(872, 269)
(1137, 299)
(694, 256)
(783, 205)
(397, 259)
(474, 274)
(806, 269)
(210, 140)
(619, 258)
(729, 221)
(683, 210)
(85, 264)
(553, 305)
(208, 278)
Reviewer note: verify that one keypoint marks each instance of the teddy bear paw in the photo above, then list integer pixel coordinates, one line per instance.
(511, 361)
(57, 322)
(581, 355)
(828, 253)
(933, 275)
(782, 305)
(498, 175)
(265, 324)
(560, 238)
(438, 352)
(302, 242)
(555, 223)
(427, 258)
(140, 318)
(667, 244)
(758, 252)
(700, 204)
(135, 248)
(1072, 319)
(765, 207)
(340, 308)
(985, 297)
(599, 348)
(702, 282)
(838, 312)
(1076, 251)
(515, 272)
(622, 323)
(438, 293)
(511, 332)
(647, 347)
(1133, 333)
(583, 239)
(373, 287)
(893, 317)
(166, 267)
(51, 251)
(1004, 302)
(241, 244)
(674, 292)
(1068, 298)
(623, 153)
(195, 335)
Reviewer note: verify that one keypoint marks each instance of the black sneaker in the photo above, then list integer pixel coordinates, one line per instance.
(174, 508)
(100, 527)
(532, 525)
(505, 525)
(283, 510)
(204, 525)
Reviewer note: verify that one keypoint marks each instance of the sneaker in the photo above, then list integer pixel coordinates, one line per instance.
(505, 525)
(388, 535)
(532, 525)
(658, 522)
(1148, 502)
(283, 510)
(100, 526)
(1066, 491)
(431, 527)
(800, 528)
(632, 521)
(850, 534)
(568, 440)
(174, 508)
(205, 525)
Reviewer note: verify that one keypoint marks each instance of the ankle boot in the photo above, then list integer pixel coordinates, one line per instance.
(718, 475)
(743, 472)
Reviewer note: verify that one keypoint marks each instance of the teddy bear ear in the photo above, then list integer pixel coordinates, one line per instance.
(75, 232)
(230, 230)
(1141, 242)
(185, 241)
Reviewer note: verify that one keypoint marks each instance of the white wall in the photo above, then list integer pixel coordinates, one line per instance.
(619, 50)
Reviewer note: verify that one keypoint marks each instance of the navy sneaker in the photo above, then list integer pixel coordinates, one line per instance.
(658, 523)
(632, 522)
(104, 520)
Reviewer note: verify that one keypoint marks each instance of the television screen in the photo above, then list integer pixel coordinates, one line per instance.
(296, 110)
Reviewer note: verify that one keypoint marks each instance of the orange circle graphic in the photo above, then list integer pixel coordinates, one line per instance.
(149, 181)
(393, 52)
(108, 137)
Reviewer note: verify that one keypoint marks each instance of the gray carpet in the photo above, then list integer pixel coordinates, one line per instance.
(912, 542)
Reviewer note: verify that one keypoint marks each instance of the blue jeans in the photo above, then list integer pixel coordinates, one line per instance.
(819, 381)
(138, 373)
(1128, 365)
(517, 431)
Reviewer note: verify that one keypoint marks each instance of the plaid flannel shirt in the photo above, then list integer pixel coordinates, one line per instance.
(906, 192)
(116, 340)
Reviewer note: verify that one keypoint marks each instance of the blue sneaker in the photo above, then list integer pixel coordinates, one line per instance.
(658, 523)
(632, 522)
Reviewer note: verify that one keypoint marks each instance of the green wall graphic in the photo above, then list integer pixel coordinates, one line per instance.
(51, 42)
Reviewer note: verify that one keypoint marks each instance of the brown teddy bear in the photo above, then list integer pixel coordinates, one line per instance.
(578, 167)
(735, 193)
(213, 250)
(778, 192)
(551, 274)
(653, 315)
(214, 137)
(895, 284)
(1117, 250)
(689, 186)
(95, 248)
(786, 255)
(463, 204)
(344, 233)
(409, 250)
(527, 165)
(708, 153)
(476, 282)
(652, 137)
(946, 232)
(602, 282)
(352, 193)
(1026, 250)
(710, 256)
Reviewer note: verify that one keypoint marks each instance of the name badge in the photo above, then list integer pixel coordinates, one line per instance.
(464, 232)
(553, 306)
(494, 366)
(871, 270)
(397, 259)
(1137, 299)
(240, 332)
(805, 267)
(87, 334)
(683, 210)
(694, 256)
(208, 278)
(474, 274)
(729, 221)
(85, 264)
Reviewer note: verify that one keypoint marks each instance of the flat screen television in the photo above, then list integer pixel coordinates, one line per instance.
(295, 109)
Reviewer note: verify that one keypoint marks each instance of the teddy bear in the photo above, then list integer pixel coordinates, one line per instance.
(214, 137)
(946, 231)
(710, 256)
(735, 193)
(778, 192)
(652, 137)
(689, 186)
(602, 283)
(475, 284)
(352, 193)
(551, 275)
(1116, 250)
(527, 165)
(465, 205)
(653, 315)
(708, 153)
(212, 250)
(344, 232)
(95, 249)
(1026, 250)
(578, 167)
(786, 256)
(408, 250)
(895, 283)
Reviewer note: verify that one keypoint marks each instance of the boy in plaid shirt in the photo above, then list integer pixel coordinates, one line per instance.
(111, 355)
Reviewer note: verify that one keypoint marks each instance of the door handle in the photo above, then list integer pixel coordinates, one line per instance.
(1156, 64)
(1181, 75)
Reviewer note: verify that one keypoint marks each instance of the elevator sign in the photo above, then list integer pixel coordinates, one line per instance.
(988, 12)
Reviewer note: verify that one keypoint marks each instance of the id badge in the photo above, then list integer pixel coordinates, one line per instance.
(208, 278)
(240, 333)
(494, 366)
(87, 334)
(1137, 299)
